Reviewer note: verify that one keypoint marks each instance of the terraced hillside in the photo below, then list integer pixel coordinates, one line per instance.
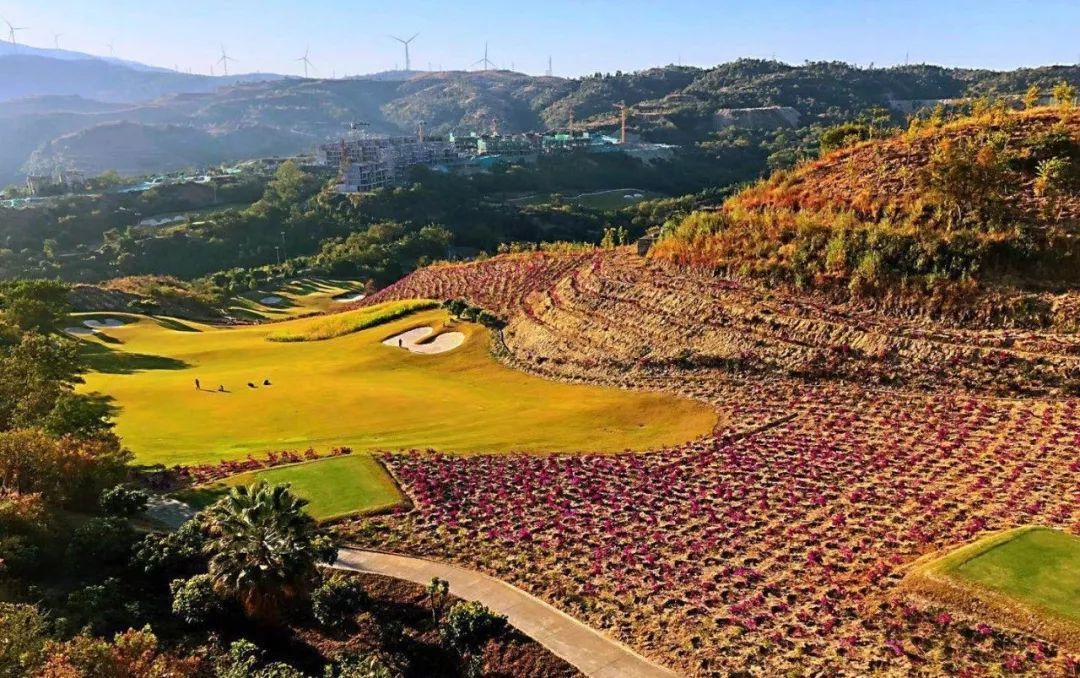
(614, 313)
(855, 443)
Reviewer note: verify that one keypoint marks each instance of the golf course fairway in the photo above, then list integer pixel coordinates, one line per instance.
(351, 390)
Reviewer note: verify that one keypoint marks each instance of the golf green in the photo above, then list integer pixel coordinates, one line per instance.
(335, 487)
(1039, 567)
(1027, 578)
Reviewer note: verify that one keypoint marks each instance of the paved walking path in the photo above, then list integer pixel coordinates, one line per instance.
(592, 653)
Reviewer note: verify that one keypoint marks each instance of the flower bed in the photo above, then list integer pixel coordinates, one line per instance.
(782, 550)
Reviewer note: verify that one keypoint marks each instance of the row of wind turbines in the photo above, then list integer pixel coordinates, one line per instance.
(13, 30)
(224, 60)
(484, 61)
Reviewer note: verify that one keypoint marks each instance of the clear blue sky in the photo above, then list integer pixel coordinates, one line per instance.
(583, 36)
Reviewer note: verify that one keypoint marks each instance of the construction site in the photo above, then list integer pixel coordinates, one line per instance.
(368, 162)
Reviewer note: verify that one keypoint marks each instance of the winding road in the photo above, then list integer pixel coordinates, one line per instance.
(592, 653)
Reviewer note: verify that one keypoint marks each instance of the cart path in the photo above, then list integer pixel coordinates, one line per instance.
(592, 653)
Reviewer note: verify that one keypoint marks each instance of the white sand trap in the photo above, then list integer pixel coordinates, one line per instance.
(79, 331)
(447, 341)
(103, 324)
(270, 300)
(352, 297)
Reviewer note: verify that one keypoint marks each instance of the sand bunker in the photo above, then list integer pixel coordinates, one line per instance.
(103, 324)
(79, 331)
(270, 300)
(447, 341)
(351, 297)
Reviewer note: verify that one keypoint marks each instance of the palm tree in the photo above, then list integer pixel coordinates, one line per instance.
(264, 550)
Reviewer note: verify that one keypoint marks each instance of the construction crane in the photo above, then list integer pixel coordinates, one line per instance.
(622, 108)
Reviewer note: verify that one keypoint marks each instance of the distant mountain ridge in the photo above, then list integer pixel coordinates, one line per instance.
(676, 104)
(30, 75)
(8, 49)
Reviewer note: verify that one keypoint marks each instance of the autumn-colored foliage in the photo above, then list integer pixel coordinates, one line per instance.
(987, 200)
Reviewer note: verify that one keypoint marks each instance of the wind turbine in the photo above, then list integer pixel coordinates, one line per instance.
(224, 60)
(110, 46)
(408, 63)
(12, 30)
(56, 39)
(306, 61)
(485, 61)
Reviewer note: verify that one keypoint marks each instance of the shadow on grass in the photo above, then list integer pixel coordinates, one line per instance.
(200, 497)
(308, 286)
(174, 324)
(101, 358)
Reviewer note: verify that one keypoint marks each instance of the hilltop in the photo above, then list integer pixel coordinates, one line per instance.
(670, 104)
(930, 219)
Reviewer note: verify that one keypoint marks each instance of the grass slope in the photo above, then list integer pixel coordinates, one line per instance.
(319, 328)
(336, 487)
(1028, 578)
(300, 297)
(353, 391)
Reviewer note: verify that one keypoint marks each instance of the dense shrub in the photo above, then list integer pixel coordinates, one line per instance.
(123, 502)
(469, 625)
(172, 555)
(100, 542)
(23, 633)
(194, 599)
(337, 600)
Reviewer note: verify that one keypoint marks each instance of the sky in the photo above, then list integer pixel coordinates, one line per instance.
(580, 36)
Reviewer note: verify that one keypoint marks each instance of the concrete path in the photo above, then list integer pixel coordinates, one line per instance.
(592, 653)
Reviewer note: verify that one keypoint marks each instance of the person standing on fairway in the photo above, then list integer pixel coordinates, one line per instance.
(198, 386)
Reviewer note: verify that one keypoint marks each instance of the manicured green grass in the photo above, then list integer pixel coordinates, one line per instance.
(1027, 578)
(335, 487)
(353, 391)
(1039, 567)
(299, 297)
(323, 327)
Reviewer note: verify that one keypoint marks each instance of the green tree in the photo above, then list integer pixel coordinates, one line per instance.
(34, 304)
(1031, 97)
(264, 550)
(438, 591)
(195, 600)
(23, 633)
(123, 502)
(1064, 94)
(80, 415)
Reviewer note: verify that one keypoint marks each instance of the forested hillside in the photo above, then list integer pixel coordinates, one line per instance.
(672, 104)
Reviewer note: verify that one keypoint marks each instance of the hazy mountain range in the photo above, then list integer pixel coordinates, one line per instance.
(63, 109)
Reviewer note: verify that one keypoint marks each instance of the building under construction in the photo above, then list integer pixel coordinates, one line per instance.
(368, 163)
